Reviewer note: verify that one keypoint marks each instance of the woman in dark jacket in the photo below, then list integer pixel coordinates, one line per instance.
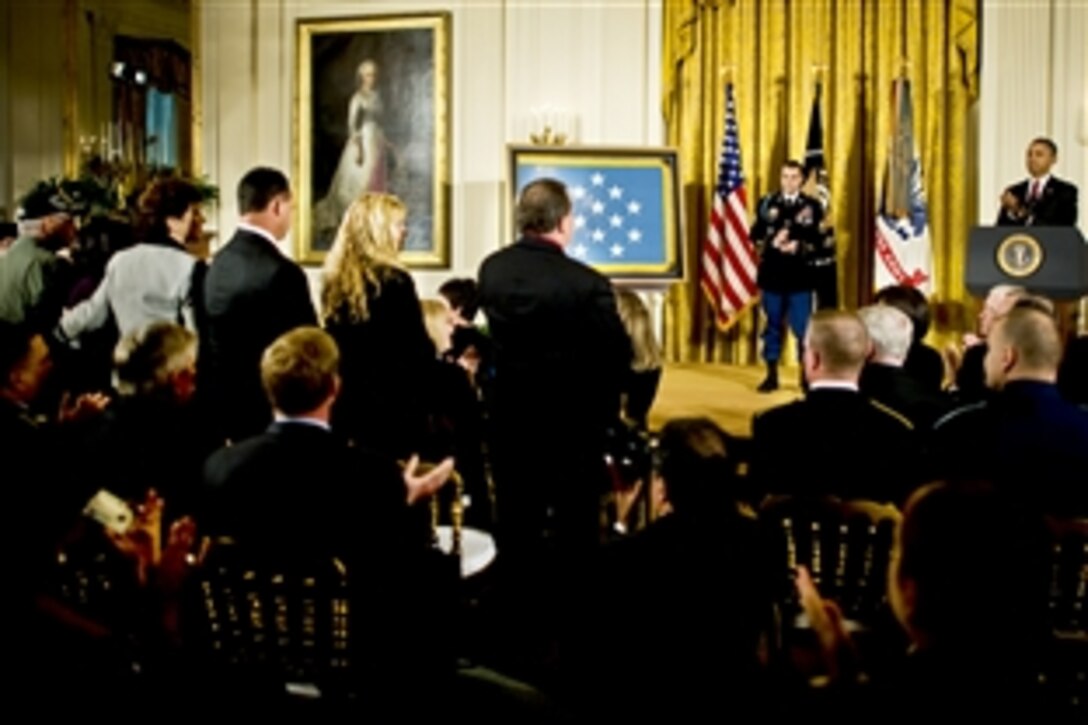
(370, 307)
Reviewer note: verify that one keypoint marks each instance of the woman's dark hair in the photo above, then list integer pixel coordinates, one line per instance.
(165, 199)
(462, 294)
(695, 458)
(910, 302)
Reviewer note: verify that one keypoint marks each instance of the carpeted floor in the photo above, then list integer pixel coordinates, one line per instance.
(724, 393)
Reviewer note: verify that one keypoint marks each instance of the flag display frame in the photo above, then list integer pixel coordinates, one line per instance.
(660, 246)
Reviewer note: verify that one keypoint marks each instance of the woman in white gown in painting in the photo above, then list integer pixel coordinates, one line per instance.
(364, 161)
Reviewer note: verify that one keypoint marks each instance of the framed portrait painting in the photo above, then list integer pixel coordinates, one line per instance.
(372, 114)
(626, 205)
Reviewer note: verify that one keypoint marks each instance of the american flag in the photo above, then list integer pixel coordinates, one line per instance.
(729, 260)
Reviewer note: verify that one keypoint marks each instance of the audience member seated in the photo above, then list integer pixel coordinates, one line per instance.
(1073, 373)
(923, 361)
(298, 488)
(885, 378)
(252, 295)
(681, 604)
(836, 441)
(26, 364)
(454, 416)
(150, 435)
(968, 584)
(299, 492)
(34, 275)
(970, 373)
(158, 279)
(644, 377)
(1024, 437)
(370, 307)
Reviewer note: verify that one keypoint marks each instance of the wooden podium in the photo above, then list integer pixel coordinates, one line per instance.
(1050, 261)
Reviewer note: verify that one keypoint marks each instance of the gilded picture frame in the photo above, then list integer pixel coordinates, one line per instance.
(372, 114)
(626, 205)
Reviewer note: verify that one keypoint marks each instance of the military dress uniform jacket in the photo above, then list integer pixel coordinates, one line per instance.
(778, 271)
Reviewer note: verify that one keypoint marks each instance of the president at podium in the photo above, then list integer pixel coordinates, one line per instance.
(1041, 200)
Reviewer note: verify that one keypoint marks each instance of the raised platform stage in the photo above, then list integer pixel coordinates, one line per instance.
(724, 393)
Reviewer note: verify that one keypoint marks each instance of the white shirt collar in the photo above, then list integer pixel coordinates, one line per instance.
(1042, 181)
(315, 422)
(833, 385)
(245, 227)
(790, 198)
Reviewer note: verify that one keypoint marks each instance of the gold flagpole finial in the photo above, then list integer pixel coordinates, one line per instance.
(726, 73)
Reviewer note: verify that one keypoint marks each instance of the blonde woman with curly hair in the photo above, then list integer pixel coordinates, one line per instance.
(370, 307)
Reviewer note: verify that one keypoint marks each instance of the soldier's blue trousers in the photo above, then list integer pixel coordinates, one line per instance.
(780, 307)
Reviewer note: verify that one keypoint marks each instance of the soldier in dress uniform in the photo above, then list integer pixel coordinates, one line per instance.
(787, 234)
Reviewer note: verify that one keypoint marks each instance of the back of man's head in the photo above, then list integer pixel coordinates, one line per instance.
(969, 566)
(836, 346)
(890, 331)
(694, 459)
(147, 361)
(1033, 340)
(259, 187)
(300, 371)
(541, 207)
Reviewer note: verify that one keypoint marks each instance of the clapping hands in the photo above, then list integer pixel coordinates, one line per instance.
(423, 480)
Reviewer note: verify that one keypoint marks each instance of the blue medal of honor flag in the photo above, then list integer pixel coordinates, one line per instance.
(624, 212)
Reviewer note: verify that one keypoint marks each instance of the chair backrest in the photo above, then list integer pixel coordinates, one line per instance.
(846, 546)
(289, 622)
(1069, 576)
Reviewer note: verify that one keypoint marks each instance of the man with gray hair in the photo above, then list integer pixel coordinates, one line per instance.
(970, 377)
(835, 442)
(884, 379)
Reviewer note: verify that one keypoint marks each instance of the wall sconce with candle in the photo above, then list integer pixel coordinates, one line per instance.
(549, 126)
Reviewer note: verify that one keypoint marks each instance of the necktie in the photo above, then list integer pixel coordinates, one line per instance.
(1034, 193)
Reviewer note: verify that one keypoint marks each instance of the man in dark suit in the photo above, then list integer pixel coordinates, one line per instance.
(298, 492)
(787, 233)
(561, 354)
(1024, 436)
(252, 295)
(836, 441)
(1042, 200)
(885, 379)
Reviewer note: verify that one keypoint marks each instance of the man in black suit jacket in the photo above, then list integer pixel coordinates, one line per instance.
(886, 380)
(298, 492)
(252, 295)
(1041, 200)
(1024, 436)
(836, 441)
(561, 354)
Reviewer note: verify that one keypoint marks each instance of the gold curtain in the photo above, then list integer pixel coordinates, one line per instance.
(773, 51)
